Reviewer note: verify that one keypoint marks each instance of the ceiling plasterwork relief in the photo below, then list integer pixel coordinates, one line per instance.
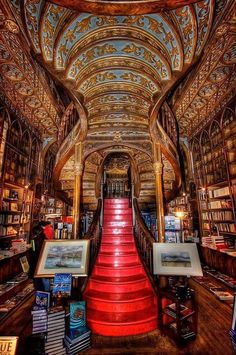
(214, 81)
(23, 85)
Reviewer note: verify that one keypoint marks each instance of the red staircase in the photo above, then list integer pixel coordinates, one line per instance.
(120, 299)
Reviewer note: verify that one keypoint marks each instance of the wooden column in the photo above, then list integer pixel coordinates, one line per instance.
(77, 189)
(158, 168)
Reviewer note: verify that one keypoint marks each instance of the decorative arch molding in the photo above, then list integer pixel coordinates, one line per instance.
(122, 7)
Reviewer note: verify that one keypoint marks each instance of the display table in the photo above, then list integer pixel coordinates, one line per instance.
(177, 314)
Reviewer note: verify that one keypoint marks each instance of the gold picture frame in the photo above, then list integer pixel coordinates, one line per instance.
(63, 256)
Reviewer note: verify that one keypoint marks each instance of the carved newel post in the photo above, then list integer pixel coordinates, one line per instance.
(78, 170)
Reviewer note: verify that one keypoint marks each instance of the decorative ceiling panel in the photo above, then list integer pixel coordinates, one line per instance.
(214, 82)
(24, 86)
(32, 10)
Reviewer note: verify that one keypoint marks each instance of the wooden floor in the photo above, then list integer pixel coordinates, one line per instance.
(214, 321)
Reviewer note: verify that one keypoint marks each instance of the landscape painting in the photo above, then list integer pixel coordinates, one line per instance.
(58, 256)
(176, 259)
(64, 256)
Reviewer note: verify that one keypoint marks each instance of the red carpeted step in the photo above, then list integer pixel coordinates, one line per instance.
(117, 230)
(129, 284)
(117, 212)
(116, 257)
(120, 299)
(121, 247)
(120, 302)
(117, 224)
(118, 239)
(127, 270)
(122, 323)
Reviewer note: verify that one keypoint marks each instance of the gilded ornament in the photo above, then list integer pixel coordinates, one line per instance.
(12, 26)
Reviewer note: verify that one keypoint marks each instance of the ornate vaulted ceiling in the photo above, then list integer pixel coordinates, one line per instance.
(119, 60)
(118, 67)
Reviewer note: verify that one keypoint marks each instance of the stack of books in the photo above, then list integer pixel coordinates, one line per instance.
(39, 320)
(207, 241)
(171, 310)
(78, 340)
(56, 332)
(79, 336)
(186, 330)
(218, 242)
(18, 245)
(232, 334)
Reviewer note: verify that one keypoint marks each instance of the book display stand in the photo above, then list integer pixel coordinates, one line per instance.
(177, 312)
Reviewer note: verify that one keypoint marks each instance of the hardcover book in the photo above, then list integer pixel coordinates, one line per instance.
(62, 285)
(42, 299)
(77, 314)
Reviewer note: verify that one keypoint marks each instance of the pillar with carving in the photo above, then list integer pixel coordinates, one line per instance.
(77, 189)
(158, 169)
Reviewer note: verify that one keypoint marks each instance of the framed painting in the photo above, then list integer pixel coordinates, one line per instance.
(63, 256)
(176, 259)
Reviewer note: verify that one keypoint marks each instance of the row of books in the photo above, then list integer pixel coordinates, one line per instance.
(9, 218)
(219, 292)
(218, 215)
(7, 230)
(10, 284)
(224, 191)
(14, 301)
(227, 280)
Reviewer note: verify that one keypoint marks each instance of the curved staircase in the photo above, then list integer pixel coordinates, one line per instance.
(120, 298)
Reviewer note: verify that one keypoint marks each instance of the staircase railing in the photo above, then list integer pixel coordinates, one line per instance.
(144, 239)
(94, 235)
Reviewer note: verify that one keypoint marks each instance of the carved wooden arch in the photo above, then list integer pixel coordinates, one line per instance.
(118, 7)
(226, 109)
(13, 122)
(204, 133)
(135, 173)
(193, 144)
(107, 145)
(26, 132)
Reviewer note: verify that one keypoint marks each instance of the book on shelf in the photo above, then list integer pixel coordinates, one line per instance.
(172, 311)
(186, 330)
(24, 264)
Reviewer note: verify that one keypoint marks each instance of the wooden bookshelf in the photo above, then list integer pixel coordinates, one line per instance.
(182, 204)
(214, 162)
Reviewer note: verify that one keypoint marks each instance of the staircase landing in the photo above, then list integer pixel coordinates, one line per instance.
(120, 299)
